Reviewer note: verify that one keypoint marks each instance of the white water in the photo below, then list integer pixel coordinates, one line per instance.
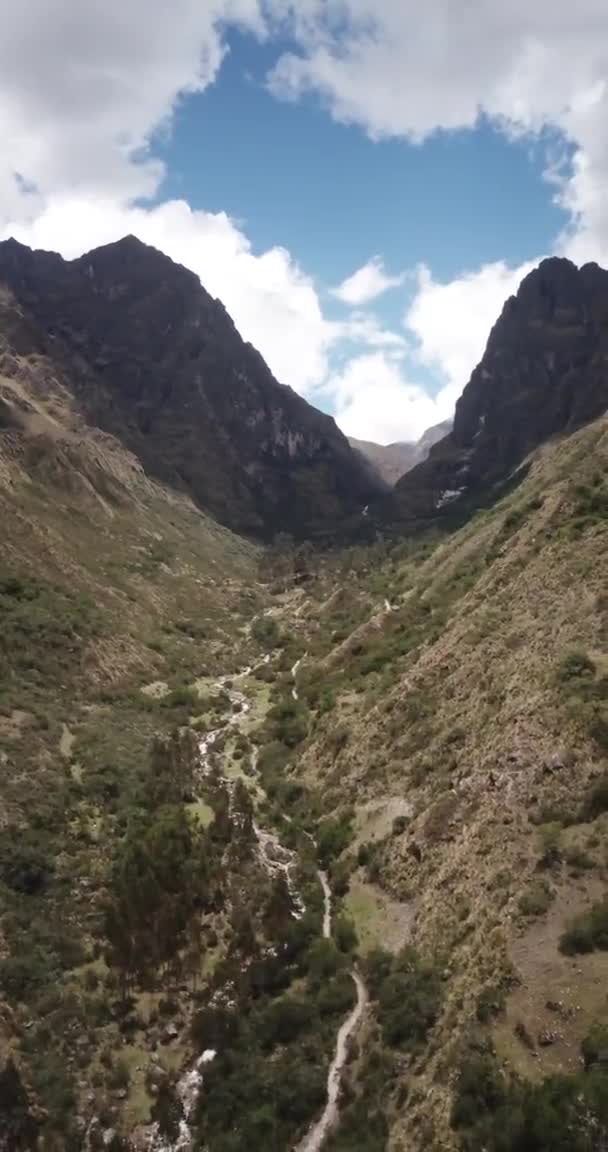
(275, 858)
(188, 1089)
(294, 673)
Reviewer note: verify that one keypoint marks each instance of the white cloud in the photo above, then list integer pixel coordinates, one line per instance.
(375, 401)
(451, 322)
(85, 85)
(366, 284)
(399, 69)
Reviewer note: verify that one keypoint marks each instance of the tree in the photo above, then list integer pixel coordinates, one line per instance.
(156, 885)
(167, 1110)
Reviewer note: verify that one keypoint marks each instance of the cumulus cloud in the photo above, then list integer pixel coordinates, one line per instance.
(366, 284)
(375, 401)
(84, 86)
(451, 322)
(398, 69)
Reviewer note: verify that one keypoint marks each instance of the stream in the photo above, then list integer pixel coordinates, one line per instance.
(275, 858)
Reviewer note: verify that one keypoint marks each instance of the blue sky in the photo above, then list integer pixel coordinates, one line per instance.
(334, 197)
(362, 182)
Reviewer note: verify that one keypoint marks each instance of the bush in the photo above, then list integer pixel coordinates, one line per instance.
(595, 1045)
(409, 994)
(576, 665)
(588, 931)
(550, 840)
(333, 837)
(537, 899)
(345, 934)
(559, 1114)
(288, 722)
(265, 632)
(284, 1020)
(490, 1003)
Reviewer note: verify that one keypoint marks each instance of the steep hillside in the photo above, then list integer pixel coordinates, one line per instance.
(151, 358)
(458, 732)
(391, 461)
(543, 373)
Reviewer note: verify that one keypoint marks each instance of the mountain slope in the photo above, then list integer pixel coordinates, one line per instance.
(465, 747)
(151, 358)
(544, 373)
(391, 461)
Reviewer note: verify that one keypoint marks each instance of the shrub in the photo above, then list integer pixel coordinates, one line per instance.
(587, 932)
(265, 632)
(409, 993)
(284, 1020)
(559, 1114)
(595, 1045)
(288, 722)
(345, 934)
(333, 837)
(550, 840)
(576, 665)
(537, 899)
(490, 1003)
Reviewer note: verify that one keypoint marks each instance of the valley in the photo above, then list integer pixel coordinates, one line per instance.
(303, 838)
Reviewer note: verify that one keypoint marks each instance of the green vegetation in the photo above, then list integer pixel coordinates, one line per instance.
(363, 1120)
(334, 836)
(587, 695)
(537, 899)
(560, 1114)
(44, 630)
(266, 633)
(587, 932)
(408, 992)
(596, 800)
(268, 1080)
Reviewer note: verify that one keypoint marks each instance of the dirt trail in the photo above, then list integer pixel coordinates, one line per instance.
(316, 1136)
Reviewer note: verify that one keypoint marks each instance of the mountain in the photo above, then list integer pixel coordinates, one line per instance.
(391, 461)
(256, 800)
(148, 356)
(544, 373)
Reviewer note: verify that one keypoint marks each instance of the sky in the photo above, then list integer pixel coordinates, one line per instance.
(361, 182)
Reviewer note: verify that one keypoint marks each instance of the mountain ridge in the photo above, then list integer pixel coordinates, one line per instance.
(153, 359)
(544, 372)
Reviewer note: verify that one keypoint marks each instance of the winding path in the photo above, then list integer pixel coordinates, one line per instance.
(316, 1136)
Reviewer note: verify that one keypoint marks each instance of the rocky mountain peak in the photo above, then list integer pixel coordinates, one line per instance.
(544, 372)
(153, 359)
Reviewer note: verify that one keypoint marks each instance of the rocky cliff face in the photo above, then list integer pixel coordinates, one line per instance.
(149, 356)
(544, 373)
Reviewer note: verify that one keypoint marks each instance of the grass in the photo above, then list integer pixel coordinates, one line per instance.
(379, 921)
(201, 812)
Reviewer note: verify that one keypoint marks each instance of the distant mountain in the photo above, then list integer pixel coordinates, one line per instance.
(149, 356)
(544, 373)
(391, 461)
